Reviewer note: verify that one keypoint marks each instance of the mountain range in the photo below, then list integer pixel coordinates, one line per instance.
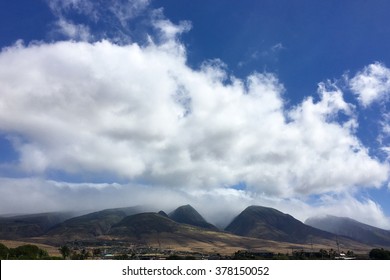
(351, 228)
(255, 228)
(30, 225)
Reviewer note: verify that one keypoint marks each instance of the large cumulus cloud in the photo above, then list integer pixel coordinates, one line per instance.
(141, 114)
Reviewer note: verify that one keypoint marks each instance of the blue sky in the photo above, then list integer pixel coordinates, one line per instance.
(220, 104)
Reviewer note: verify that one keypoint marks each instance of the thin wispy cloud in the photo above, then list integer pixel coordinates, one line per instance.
(96, 20)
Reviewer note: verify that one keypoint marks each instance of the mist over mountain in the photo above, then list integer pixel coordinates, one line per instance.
(30, 225)
(352, 229)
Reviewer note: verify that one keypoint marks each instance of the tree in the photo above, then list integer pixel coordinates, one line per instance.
(28, 252)
(65, 251)
(332, 254)
(324, 254)
(379, 254)
(350, 253)
(4, 252)
(83, 255)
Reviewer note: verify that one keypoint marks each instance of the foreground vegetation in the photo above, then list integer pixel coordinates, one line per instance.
(24, 252)
(33, 252)
(379, 254)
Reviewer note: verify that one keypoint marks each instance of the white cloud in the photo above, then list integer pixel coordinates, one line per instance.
(125, 10)
(73, 31)
(169, 30)
(277, 47)
(372, 84)
(168, 33)
(61, 7)
(365, 211)
(141, 114)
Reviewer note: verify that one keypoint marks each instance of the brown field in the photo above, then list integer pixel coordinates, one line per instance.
(211, 242)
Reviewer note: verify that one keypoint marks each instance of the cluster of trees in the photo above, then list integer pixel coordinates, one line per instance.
(83, 254)
(68, 253)
(379, 254)
(24, 252)
(247, 255)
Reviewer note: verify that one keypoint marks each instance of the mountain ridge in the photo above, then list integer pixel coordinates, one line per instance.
(30, 225)
(269, 223)
(351, 228)
(256, 227)
(93, 224)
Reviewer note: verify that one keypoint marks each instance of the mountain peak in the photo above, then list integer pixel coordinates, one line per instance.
(186, 214)
(162, 213)
(269, 223)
